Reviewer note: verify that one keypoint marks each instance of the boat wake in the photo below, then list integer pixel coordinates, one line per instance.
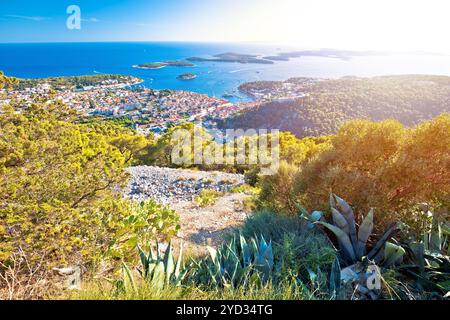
(240, 70)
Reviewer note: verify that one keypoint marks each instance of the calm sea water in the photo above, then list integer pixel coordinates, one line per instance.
(67, 59)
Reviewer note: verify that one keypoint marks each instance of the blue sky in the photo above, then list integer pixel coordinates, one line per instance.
(349, 24)
(119, 20)
(102, 20)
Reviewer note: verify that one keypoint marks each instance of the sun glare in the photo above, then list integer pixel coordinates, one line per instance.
(382, 25)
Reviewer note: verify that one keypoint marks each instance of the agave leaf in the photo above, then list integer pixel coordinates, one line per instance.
(151, 253)
(340, 221)
(418, 250)
(179, 261)
(245, 251)
(316, 216)
(365, 230)
(212, 253)
(216, 258)
(344, 208)
(213, 275)
(312, 275)
(231, 262)
(343, 239)
(180, 277)
(262, 245)
(168, 262)
(302, 211)
(128, 277)
(144, 260)
(233, 278)
(426, 241)
(436, 236)
(392, 254)
(378, 258)
(335, 279)
(394, 227)
(158, 275)
(268, 257)
(254, 245)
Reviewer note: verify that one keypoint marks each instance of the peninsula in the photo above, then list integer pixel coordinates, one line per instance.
(232, 57)
(160, 65)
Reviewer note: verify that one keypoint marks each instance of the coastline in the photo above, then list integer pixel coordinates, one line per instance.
(148, 68)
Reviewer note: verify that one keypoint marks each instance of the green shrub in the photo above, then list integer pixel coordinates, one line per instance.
(245, 188)
(207, 197)
(147, 221)
(251, 176)
(296, 247)
(277, 190)
(58, 206)
(381, 165)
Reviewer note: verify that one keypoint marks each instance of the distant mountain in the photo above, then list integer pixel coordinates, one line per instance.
(306, 106)
(232, 57)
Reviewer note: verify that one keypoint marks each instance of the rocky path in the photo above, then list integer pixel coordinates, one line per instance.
(210, 225)
(200, 226)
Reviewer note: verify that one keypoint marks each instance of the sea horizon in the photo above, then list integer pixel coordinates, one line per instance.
(218, 79)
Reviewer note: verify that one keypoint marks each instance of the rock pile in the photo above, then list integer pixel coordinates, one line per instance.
(166, 185)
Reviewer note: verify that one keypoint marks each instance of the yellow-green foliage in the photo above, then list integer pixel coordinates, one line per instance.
(382, 165)
(56, 182)
(291, 149)
(207, 197)
(134, 147)
(160, 153)
(6, 81)
(246, 189)
(296, 151)
(146, 222)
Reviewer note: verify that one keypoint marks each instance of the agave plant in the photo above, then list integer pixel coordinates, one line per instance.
(160, 269)
(312, 218)
(353, 241)
(429, 261)
(237, 263)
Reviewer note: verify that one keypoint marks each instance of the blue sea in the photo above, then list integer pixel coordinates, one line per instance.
(36, 60)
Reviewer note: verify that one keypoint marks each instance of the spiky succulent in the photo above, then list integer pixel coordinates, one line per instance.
(428, 260)
(160, 269)
(353, 241)
(237, 263)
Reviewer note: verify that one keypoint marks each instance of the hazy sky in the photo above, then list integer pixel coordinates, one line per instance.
(347, 24)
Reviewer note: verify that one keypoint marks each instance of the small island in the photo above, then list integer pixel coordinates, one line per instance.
(187, 76)
(160, 65)
(232, 57)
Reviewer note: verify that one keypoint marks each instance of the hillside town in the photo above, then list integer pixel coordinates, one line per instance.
(279, 91)
(150, 110)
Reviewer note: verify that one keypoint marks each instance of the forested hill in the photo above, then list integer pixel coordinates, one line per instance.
(327, 104)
